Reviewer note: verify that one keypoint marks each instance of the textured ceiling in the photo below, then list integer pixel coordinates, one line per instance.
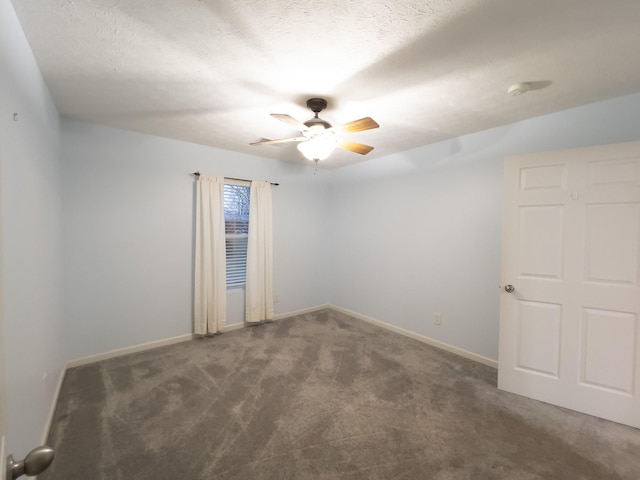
(212, 71)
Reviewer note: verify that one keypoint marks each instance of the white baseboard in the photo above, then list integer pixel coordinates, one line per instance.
(127, 350)
(279, 316)
(52, 409)
(421, 338)
(182, 338)
(232, 327)
(169, 341)
(301, 312)
(3, 459)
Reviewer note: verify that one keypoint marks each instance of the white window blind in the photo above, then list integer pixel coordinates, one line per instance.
(236, 219)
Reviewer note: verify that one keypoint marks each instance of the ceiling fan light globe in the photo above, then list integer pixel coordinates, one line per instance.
(317, 148)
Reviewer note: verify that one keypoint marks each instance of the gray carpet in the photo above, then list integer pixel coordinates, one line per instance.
(319, 396)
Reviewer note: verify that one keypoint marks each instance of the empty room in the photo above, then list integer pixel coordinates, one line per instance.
(319, 240)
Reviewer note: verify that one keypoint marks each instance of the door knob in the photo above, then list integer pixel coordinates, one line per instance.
(36, 462)
(509, 288)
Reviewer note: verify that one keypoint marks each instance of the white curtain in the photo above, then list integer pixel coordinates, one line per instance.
(210, 299)
(259, 290)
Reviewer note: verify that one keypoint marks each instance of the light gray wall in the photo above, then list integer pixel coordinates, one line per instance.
(420, 232)
(129, 220)
(34, 338)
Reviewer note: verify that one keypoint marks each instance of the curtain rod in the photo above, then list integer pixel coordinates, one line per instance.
(197, 174)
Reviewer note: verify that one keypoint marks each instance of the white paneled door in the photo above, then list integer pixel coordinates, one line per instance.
(570, 298)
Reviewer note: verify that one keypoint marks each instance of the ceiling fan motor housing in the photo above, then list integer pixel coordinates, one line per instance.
(317, 105)
(317, 121)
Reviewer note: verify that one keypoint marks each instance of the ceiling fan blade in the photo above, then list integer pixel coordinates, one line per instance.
(355, 147)
(266, 141)
(289, 120)
(366, 123)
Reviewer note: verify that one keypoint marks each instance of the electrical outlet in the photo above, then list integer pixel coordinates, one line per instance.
(276, 298)
(437, 319)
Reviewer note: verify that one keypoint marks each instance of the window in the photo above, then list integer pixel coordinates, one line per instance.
(236, 221)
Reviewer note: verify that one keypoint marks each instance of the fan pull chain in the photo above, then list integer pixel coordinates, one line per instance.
(316, 169)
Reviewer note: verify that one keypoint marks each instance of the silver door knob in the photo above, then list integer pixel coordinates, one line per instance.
(36, 462)
(509, 288)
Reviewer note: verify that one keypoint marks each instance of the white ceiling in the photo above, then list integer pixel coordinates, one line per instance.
(211, 71)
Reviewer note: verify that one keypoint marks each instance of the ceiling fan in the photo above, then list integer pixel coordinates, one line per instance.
(318, 138)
